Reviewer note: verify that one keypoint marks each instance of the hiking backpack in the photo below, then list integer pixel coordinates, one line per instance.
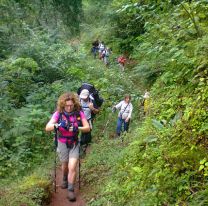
(93, 92)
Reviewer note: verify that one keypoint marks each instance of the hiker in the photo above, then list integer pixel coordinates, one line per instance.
(69, 119)
(95, 48)
(105, 55)
(121, 61)
(146, 102)
(101, 48)
(125, 110)
(89, 108)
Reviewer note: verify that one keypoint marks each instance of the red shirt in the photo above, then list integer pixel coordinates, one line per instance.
(122, 59)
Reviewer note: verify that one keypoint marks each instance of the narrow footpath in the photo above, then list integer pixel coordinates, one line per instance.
(60, 197)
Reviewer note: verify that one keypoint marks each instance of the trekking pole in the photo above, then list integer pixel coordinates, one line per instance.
(55, 171)
(79, 144)
(108, 120)
(55, 146)
(105, 126)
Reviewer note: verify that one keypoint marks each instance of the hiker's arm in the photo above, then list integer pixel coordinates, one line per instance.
(50, 125)
(118, 106)
(85, 127)
(93, 108)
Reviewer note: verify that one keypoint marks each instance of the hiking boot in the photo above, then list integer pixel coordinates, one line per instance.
(64, 184)
(71, 196)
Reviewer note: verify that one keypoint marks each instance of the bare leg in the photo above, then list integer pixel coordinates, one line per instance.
(72, 170)
(71, 178)
(64, 167)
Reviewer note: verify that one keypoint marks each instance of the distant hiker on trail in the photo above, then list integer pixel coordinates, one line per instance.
(101, 48)
(146, 103)
(89, 108)
(105, 55)
(95, 48)
(69, 120)
(124, 114)
(121, 61)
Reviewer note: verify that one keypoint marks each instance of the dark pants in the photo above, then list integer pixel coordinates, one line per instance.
(86, 138)
(121, 122)
(94, 51)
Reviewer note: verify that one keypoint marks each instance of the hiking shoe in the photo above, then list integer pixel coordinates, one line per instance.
(64, 185)
(71, 196)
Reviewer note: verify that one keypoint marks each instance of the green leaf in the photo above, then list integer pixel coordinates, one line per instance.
(201, 167)
(157, 124)
(202, 161)
(150, 139)
(136, 169)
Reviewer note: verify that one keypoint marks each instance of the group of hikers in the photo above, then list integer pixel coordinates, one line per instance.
(104, 52)
(75, 113)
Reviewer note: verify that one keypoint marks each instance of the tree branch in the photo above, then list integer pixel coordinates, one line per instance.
(191, 15)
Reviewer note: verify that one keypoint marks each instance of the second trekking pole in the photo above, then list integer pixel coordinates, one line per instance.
(79, 144)
(55, 147)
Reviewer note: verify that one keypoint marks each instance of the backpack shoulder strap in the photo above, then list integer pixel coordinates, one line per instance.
(78, 118)
(124, 110)
(61, 114)
(60, 117)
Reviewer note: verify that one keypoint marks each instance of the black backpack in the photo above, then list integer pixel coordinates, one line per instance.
(93, 92)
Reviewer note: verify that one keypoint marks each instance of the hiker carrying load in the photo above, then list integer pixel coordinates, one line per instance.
(90, 102)
(125, 110)
(105, 55)
(95, 48)
(121, 61)
(68, 120)
(101, 49)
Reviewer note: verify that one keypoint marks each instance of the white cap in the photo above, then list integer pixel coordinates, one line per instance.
(84, 94)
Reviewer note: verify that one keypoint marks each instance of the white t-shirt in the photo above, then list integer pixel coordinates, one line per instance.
(86, 109)
(125, 109)
(101, 47)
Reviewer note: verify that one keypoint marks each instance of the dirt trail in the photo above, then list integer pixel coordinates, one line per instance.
(60, 197)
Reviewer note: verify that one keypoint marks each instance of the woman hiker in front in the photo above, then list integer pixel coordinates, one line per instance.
(68, 120)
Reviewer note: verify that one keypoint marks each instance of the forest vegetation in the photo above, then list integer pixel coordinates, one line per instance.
(45, 50)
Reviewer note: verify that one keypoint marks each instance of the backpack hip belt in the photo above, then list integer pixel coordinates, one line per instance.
(73, 143)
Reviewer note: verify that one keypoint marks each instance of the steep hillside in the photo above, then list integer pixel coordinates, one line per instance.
(44, 52)
(164, 161)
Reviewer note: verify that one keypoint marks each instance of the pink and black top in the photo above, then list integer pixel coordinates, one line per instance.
(65, 136)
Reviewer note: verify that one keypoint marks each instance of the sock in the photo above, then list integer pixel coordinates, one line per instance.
(70, 187)
(65, 177)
